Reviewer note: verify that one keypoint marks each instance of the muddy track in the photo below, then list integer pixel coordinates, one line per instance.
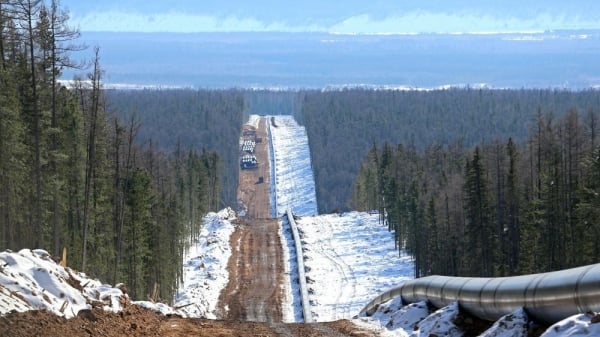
(254, 291)
(253, 193)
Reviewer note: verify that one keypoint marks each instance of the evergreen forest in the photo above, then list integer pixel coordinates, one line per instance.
(343, 125)
(499, 208)
(74, 173)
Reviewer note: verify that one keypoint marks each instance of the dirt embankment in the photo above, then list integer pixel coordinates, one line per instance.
(135, 321)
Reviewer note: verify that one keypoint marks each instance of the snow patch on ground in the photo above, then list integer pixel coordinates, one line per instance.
(440, 323)
(514, 324)
(582, 325)
(394, 315)
(32, 280)
(294, 181)
(205, 272)
(349, 259)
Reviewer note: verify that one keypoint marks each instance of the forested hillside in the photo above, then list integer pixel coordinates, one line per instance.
(72, 172)
(343, 125)
(499, 208)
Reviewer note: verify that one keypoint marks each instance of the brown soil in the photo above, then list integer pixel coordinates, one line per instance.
(254, 291)
(251, 303)
(135, 321)
(252, 194)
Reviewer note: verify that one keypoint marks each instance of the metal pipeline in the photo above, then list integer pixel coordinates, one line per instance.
(549, 297)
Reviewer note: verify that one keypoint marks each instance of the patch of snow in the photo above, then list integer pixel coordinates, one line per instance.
(440, 323)
(349, 258)
(253, 120)
(582, 325)
(31, 280)
(205, 272)
(378, 329)
(158, 307)
(394, 315)
(294, 181)
(514, 324)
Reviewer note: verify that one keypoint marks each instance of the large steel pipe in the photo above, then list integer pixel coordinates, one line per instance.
(549, 297)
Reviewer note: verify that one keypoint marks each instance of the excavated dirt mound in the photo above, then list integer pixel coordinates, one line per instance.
(132, 321)
(135, 321)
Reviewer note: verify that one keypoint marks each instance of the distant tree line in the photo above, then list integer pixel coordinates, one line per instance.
(502, 207)
(72, 172)
(342, 125)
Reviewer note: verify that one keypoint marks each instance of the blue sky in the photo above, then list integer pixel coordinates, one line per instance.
(349, 16)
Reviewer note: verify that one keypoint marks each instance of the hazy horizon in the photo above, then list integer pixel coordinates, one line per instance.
(563, 59)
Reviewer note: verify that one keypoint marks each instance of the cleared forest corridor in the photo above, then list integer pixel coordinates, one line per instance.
(255, 290)
(255, 267)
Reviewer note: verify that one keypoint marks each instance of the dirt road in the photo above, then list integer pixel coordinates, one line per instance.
(254, 291)
(254, 184)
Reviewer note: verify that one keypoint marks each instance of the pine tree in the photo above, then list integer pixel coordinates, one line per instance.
(588, 212)
(12, 166)
(479, 232)
(55, 39)
(27, 12)
(513, 202)
(139, 231)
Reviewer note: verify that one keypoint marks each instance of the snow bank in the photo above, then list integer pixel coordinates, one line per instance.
(350, 258)
(394, 315)
(294, 181)
(205, 272)
(292, 304)
(31, 280)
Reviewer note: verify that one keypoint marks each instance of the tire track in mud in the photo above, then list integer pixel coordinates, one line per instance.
(254, 291)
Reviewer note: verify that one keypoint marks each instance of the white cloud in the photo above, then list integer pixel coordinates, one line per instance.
(413, 22)
(429, 22)
(179, 22)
